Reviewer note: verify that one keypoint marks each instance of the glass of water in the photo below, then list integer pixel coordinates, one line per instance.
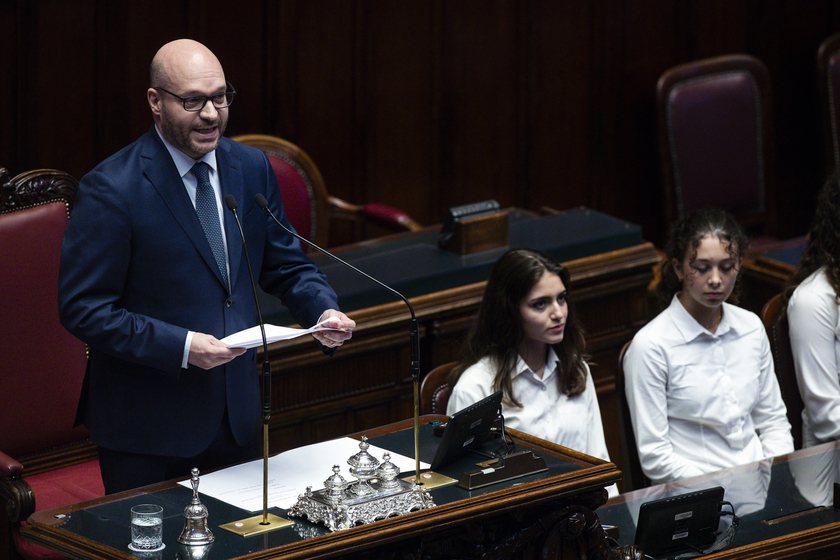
(146, 528)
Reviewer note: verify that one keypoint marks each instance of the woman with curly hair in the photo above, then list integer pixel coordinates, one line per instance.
(814, 319)
(699, 377)
(526, 341)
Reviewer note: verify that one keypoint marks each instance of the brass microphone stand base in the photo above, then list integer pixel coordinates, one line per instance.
(431, 480)
(254, 525)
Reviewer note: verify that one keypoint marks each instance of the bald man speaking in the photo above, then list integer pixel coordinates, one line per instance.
(153, 276)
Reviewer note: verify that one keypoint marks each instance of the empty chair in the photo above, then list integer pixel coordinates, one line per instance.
(828, 66)
(44, 461)
(716, 140)
(308, 205)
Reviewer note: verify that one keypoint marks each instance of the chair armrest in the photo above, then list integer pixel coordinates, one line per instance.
(9, 468)
(389, 217)
(16, 496)
(379, 214)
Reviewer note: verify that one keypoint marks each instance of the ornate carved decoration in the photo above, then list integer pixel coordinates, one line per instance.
(36, 187)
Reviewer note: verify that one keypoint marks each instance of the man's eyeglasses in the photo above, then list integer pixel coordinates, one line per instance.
(196, 103)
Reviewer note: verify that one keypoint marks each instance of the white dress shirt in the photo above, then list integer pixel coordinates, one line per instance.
(184, 164)
(701, 402)
(814, 319)
(546, 412)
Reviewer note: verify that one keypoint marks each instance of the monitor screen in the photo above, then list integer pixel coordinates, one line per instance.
(678, 523)
(467, 429)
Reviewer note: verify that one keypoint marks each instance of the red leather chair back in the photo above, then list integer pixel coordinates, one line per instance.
(43, 365)
(435, 390)
(296, 192)
(828, 64)
(776, 324)
(716, 137)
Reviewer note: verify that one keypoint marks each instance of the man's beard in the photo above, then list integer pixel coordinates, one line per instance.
(179, 135)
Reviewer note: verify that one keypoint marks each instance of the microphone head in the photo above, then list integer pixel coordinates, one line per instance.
(231, 202)
(261, 201)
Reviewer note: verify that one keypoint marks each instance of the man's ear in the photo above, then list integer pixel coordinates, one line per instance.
(155, 100)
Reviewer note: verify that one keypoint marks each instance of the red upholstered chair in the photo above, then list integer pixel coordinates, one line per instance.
(435, 390)
(306, 201)
(716, 141)
(44, 461)
(828, 66)
(776, 324)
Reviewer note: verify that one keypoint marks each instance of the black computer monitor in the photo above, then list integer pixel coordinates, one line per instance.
(683, 522)
(467, 429)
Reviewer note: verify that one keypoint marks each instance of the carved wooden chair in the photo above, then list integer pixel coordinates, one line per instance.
(828, 66)
(716, 141)
(308, 205)
(435, 389)
(776, 323)
(44, 461)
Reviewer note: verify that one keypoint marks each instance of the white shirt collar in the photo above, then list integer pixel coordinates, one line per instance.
(690, 328)
(183, 162)
(550, 366)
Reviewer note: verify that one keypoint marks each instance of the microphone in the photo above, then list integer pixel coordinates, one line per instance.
(414, 331)
(230, 201)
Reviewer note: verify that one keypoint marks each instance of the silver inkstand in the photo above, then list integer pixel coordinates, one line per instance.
(196, 532)
(376, 493)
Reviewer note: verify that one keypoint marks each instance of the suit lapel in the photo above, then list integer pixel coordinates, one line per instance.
(162, 173)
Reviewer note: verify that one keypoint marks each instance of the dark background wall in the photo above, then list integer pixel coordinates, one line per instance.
(421, 104)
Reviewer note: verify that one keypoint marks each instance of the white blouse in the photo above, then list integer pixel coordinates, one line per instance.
(701, 402)
(546, 412)
(814, 319)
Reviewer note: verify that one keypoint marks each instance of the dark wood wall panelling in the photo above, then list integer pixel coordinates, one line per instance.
(422, 104)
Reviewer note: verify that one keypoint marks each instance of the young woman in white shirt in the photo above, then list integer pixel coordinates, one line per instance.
(814, 319)
(527, 342)
(699, 377)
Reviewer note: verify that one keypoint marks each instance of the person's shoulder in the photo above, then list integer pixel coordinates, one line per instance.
(129, 156)
(656, 330)
(744, 320)
(480, 373)
(813, 292)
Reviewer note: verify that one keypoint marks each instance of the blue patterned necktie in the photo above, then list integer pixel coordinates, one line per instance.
(208, 215)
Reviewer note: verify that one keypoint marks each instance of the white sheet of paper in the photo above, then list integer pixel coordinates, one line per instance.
(250, 338)
(289, 473)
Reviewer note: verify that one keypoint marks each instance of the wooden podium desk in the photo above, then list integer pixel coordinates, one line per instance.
(368, 382)
(787, 505)
(513, 519)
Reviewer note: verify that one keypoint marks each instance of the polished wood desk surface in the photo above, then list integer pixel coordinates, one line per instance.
(99, 529)
(786, 505)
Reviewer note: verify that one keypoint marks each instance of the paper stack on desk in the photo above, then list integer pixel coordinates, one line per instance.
(289, 474)
(250, 338)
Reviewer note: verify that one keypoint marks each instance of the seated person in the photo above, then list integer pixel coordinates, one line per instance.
(527, 342)
(699, 378)
(814, 318)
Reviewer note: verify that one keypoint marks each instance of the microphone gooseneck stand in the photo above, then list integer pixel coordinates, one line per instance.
(414, 331)
(268, 522)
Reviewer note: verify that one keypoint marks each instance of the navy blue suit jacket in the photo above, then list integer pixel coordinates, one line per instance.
(137, 273)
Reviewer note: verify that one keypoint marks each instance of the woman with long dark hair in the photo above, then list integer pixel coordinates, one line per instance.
(814, 318)
(527, 342)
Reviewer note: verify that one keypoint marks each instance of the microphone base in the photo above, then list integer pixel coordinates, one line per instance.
(430, 480)
(254, 525)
